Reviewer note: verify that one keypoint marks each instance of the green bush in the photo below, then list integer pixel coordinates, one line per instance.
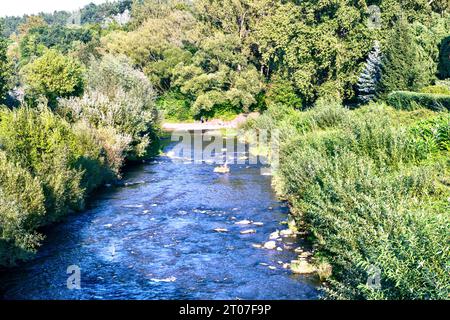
(282, 91)
(436, 89)
(21, 211)
(117, 97)
(174, 107)
(434, 132)
(406, 100)
(53, 76)
(47, 168)
(371, 187)
(46, 145)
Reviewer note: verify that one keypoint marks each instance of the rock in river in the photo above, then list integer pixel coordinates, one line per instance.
(302, 267)
(270, 245)
(286, 233)
(243, 222)
(250, 231)
(274, 235)
(171, 279)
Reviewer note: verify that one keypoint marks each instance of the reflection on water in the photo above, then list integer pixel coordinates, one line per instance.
(155, 240)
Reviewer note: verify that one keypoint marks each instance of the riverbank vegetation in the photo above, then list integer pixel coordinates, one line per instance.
(358, 89)
(371, 187)
(69, 128)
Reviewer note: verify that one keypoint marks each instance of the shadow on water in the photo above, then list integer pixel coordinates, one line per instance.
(153, 238)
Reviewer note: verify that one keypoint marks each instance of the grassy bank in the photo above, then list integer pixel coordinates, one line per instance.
(372, 188)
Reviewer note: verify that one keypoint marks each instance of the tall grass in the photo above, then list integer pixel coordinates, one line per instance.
(371, 187)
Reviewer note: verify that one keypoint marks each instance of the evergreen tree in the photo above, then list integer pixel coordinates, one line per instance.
(370, 76)
(444, 58)
(405, 65)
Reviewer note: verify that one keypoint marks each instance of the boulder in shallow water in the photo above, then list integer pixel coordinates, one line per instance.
(287, 233)
(302, 267)
(250, 231)
(170, 279)
(274, 235)
(305, 255)
(243, 222)
(270, 245)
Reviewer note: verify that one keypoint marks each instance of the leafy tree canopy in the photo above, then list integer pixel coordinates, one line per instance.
(53, 76)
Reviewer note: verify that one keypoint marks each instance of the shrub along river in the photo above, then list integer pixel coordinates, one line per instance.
(153, 237)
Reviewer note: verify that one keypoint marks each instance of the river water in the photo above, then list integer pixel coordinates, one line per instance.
(153, 238)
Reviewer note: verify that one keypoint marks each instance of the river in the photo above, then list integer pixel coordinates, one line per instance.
(153, 238)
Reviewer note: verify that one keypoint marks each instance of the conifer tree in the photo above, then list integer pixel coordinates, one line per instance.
(444, 58)
(370, 76)
(405, 65)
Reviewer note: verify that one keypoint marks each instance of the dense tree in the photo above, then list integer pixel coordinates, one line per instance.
(63, 39)
(405, 64)
(4, 68)
(53, 76)
(219, 75)
(444, 59)
(142, 10)
(117, 96)
(93, 13)
(319, 49)
(409, 10)
(31, 22)
(10, 25)
(89, 14)
(281, 91)
(318, 46)
(158, 45)
(440, 6)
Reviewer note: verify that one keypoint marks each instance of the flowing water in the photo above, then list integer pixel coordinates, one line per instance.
(153, 238)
